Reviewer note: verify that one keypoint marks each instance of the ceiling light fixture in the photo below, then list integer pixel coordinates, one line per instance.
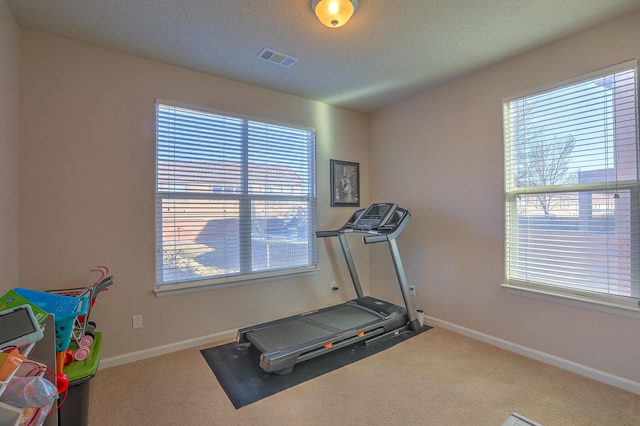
(334, 13)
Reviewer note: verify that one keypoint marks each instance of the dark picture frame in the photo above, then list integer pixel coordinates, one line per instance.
(345, 183)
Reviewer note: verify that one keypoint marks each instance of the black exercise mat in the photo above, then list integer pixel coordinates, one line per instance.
(236, 367)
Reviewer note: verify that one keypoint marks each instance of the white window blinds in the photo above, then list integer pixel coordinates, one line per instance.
(571, 186)
(235, 197)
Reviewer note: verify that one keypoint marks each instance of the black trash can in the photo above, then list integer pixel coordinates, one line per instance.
(75, 409)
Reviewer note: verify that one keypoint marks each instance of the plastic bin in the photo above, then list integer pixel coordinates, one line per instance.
(11, 299)
(66, 309)
(75, 410)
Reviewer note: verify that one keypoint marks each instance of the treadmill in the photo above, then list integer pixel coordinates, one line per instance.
(288, 341)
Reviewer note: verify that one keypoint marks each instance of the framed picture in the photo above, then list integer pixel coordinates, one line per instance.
(345, 184)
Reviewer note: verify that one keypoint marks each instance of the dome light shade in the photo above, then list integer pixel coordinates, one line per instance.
(334, 13)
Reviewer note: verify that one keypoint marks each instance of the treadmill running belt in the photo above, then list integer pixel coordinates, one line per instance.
(285, 335)
(309, 327)
(343, 318)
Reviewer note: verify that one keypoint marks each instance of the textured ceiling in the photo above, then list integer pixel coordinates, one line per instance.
(390, 50)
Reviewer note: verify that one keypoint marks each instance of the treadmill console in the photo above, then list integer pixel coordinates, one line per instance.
(381, 221)
(375, 216)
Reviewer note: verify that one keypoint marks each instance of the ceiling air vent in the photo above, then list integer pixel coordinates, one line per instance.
(276, 58)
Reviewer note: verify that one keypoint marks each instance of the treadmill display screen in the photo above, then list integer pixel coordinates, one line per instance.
(377, 210)
(375, 216)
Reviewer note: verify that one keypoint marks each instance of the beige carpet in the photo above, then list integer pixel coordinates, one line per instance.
(436, 378)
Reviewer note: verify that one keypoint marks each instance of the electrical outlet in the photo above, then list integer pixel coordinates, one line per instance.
(334, 286)
(412, 289)
(137, 321)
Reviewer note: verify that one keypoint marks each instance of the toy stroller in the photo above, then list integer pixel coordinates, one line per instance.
(83, 328)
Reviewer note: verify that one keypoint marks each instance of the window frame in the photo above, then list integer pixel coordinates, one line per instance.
(626, 306)
(230, 280)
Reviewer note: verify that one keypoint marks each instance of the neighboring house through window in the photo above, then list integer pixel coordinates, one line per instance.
(221, 214)
(571, 188)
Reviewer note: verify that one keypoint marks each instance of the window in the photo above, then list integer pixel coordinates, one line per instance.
(220, 213)
(571, 187)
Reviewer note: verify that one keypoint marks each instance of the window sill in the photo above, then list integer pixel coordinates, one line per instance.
(163, 290)
(575, 300)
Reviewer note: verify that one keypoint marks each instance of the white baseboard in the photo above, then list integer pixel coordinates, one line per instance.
(165, 349)
(583, 370)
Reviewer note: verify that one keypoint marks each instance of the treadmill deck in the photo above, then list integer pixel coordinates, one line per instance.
(317, 325)
(286, 341)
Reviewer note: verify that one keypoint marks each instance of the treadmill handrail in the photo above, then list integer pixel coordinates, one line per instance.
(322, 234)
(387, 232)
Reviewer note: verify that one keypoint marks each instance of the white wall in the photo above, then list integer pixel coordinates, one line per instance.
(86, 194)
(446, 166)
(9, 98)
(87, 189)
